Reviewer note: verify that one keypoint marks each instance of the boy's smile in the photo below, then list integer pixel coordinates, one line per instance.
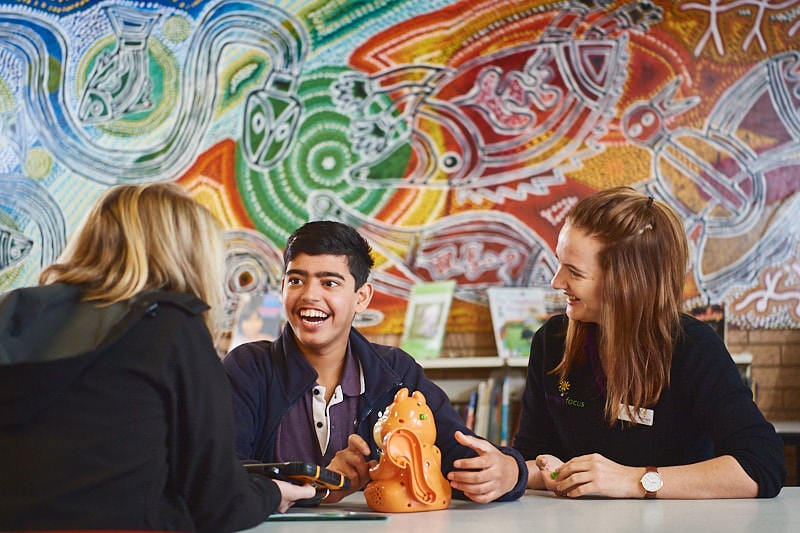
(320, 300)
(313, 315)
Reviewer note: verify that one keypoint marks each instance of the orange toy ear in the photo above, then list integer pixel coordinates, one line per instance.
(403, 448)
(419, 397)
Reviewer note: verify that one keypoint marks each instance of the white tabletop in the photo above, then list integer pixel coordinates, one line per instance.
(540, 511)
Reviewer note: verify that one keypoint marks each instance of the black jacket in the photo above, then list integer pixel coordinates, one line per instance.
(707, 411)
(128, 427)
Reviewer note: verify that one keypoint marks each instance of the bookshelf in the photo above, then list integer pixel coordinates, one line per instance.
(468, 360)
(473, 362)
(463, 371)
(460, 376)
(744, 359)
(494, 378)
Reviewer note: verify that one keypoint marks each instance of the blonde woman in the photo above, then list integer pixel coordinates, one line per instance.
(626, 396)
(115, 411)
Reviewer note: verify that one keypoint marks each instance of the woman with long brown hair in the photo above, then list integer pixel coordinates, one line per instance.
(626, 396)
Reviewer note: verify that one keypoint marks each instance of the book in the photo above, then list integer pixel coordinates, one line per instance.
(426, 318)
(517, 312)
(469, 416)
(483, 407)
(495, 411)
(504, 410)
(491, 408)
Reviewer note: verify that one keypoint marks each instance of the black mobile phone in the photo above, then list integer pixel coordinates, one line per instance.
(303, 472)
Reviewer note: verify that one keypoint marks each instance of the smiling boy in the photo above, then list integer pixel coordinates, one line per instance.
(315, 393)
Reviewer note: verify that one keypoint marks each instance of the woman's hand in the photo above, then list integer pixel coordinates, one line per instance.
(590, 475)
(546, 465)
(290, 493)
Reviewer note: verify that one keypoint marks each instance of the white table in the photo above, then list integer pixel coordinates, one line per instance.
(540, 511)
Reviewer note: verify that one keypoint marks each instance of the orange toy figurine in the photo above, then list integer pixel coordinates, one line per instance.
(408, 477)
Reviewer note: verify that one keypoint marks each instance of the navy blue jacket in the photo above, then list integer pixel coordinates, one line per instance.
(268, 377)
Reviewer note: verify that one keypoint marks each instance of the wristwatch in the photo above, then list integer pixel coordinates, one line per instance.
(651, 481)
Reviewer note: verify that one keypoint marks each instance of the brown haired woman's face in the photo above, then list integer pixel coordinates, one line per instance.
(579, 275)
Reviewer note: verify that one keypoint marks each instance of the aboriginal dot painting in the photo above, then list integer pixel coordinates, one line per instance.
(455, 135)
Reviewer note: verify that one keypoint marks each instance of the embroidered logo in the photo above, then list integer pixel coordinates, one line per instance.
(562, 399)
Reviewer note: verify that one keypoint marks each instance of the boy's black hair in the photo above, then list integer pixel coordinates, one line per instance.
(328, 237)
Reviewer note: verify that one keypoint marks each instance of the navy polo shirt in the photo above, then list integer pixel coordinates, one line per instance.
(313, 431)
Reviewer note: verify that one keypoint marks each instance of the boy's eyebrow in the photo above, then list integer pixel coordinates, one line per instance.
(328, 275)
(323, 274)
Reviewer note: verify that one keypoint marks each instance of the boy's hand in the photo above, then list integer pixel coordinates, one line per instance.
(352, 463)
(486, 477)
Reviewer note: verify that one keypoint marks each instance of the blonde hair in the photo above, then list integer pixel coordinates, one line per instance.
(144, 237)
(644, 259)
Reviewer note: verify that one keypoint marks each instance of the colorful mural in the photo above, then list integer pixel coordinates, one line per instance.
(454, 135)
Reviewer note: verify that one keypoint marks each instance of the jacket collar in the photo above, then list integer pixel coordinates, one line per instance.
(299, 375)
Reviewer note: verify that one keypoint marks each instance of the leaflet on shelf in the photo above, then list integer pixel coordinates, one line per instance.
(426, 317)
(517, 312)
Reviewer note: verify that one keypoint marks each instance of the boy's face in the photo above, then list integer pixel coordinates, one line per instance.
(320, 300)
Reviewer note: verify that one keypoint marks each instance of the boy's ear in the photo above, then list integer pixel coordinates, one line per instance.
(364, 296)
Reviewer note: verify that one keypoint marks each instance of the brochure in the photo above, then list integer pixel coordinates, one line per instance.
(426, 318)
(517, 312)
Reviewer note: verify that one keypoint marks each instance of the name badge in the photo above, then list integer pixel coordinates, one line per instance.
(643, 417)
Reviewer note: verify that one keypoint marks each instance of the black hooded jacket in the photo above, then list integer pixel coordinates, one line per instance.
(117, 417)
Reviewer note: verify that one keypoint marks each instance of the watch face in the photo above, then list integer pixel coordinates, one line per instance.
(652, 482)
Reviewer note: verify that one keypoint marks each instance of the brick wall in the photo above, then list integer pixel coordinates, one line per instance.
(776, 374)
(775, 370)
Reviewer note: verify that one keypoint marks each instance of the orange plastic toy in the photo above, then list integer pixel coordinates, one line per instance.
(408, 477)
